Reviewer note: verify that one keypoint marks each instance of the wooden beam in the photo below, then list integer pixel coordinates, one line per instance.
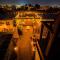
(52, 36)
(48, 26)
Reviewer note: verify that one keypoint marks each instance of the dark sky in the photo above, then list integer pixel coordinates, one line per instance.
(42, 2)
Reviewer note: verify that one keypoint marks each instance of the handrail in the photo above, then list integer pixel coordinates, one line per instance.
(40, 51)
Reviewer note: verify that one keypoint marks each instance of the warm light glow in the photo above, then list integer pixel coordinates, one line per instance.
(28, 27)
(16, 49)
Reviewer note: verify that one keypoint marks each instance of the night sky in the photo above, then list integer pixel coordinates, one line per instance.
(41, 2)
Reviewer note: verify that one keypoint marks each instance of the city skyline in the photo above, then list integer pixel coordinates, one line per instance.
(33, 2)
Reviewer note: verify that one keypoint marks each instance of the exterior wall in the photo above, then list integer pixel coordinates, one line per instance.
(4, 27)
